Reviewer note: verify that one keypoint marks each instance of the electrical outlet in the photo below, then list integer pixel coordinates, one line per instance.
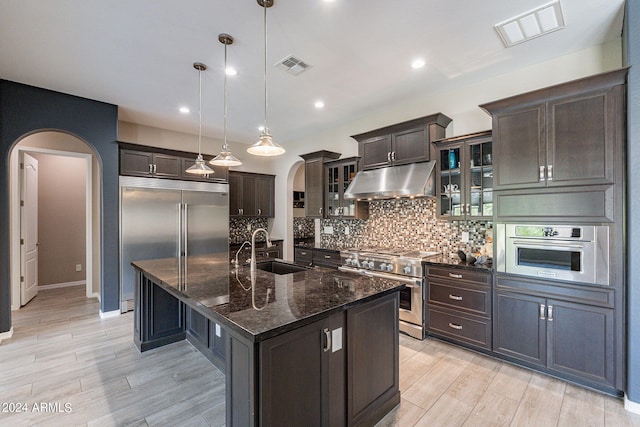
(465, 236)
(78, 267)
(328, 230)
(249, 227)
(299, 227)
(346, 230)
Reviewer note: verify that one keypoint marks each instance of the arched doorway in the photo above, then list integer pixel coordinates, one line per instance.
(67, 153)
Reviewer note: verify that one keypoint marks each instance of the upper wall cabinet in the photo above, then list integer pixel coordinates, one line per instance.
(340, 173)
(251, 194)
(402, 143)
(138, 160)
(315, 176)
(565, 135)
(465, 178)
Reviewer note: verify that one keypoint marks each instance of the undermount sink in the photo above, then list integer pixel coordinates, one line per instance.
(279, 267)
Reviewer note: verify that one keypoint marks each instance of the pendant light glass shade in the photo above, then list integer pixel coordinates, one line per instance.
(199, 167)
(225, 158)
(266, 145)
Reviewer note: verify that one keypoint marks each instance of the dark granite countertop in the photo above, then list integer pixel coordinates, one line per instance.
(294, 300)
(446, 260)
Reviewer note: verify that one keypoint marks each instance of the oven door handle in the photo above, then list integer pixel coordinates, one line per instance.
(533, 245)
(411, 282)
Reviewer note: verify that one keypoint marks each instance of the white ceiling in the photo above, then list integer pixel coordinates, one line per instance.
(138, 54)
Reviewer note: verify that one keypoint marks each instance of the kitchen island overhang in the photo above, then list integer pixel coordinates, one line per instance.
(339, 329)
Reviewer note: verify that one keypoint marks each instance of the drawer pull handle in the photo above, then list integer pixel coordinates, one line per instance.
(454, 326)
(327, 340)
(455, 276)
(303, 253)
(455, 297)
(327, 257)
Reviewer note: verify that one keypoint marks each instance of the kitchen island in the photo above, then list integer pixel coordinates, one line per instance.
(309, 347)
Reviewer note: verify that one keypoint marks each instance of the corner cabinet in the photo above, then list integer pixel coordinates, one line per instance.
(251, 194)
(340, 173)
(465, 178)
(402, 143)
(315, 175)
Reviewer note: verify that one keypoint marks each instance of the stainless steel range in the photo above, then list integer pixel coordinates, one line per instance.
(396, 264)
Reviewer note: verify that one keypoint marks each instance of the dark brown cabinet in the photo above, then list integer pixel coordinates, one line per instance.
(251, 194)
(458, 306)
(303, 256)
(465, 178)
(316, 256)
(302, 376)
(402, 143)
(564, 135)
(339, 174)
(207, 336)
(262, 251)
(136, 160)
(140, 163)
(315, 176)
(159, 317)
(575, 340)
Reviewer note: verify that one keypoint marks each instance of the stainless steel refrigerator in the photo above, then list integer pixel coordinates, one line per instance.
(162, 218)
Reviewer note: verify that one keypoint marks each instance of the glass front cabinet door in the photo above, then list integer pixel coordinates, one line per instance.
(465, 177)
(340, 173)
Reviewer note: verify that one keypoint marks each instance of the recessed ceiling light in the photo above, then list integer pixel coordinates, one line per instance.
(260, 128)
(184, 110)
(329, 1)
(319, 104)
(417, 63)
(230, 71)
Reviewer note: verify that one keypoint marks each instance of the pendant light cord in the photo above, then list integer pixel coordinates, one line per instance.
(265, 68)
(224, 146)
(199, 112)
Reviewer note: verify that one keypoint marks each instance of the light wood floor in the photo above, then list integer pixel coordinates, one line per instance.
(63, 354)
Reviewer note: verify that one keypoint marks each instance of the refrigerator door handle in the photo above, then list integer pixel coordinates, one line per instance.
(179, 239)
(186, 238)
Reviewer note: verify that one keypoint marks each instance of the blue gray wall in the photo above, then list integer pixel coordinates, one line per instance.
(632, 58)
(27, 109)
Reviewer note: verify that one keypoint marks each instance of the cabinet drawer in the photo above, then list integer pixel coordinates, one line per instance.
(475, 301)
(326, 258)
(303, 255)
(455, 274)
(466, 329)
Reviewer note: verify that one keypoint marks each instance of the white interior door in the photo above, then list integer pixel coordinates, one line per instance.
(29, 230)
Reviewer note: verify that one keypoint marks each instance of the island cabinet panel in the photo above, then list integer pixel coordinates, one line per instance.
(159, 317)
(302, 376)
(373, 360)
(207, 336)
(549, 329)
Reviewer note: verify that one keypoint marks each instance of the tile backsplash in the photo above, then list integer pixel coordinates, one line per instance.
(240, 229)
(303, 227)
(405, 224)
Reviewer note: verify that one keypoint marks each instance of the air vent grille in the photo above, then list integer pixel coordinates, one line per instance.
(292, 65)
(531, 24)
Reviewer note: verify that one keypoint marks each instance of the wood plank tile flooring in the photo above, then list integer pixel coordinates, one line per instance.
(86, 371)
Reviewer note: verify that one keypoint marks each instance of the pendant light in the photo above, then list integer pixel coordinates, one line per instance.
(265, 146)
(225, 158)
(199, 167)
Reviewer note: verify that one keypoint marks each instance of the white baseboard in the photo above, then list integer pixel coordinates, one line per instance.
(109, 314)
(6, 335)
(62, 285)
(631, 406)
(96, 295)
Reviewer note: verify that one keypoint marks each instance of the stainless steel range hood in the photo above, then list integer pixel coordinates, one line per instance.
(413, 180)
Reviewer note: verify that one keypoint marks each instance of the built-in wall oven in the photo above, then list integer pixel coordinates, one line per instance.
(577, 253)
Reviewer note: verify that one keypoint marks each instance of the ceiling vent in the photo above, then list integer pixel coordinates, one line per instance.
(292, 65)
(532, 24)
